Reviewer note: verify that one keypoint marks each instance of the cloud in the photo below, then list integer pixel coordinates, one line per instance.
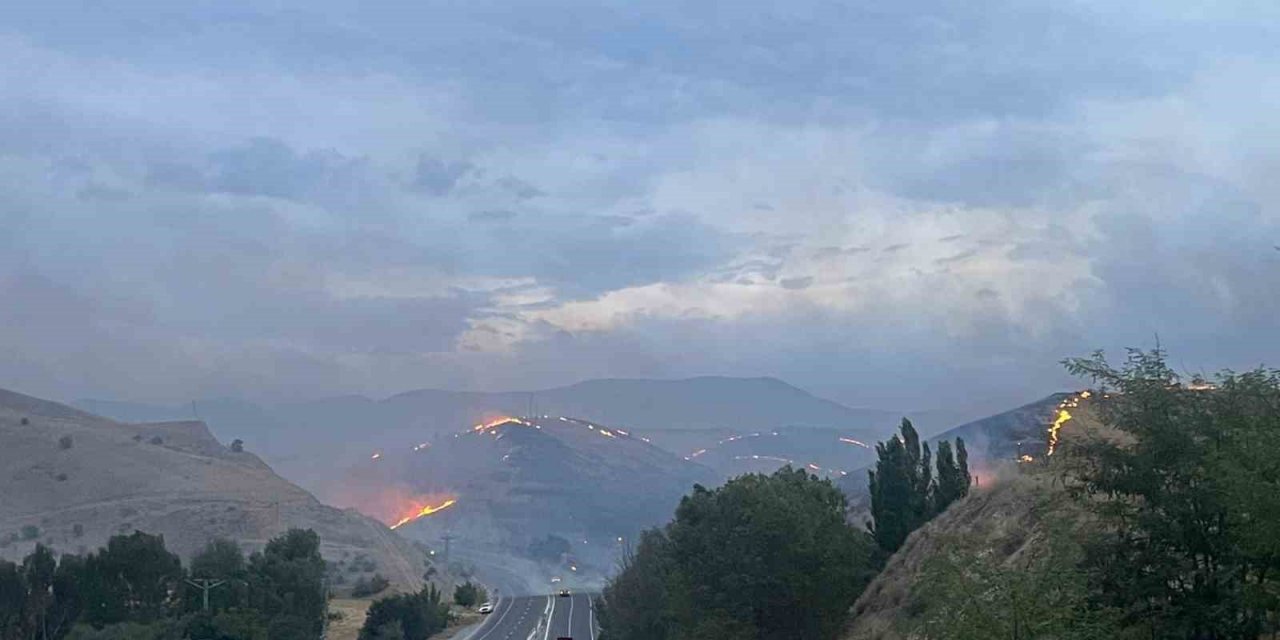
(903, 206)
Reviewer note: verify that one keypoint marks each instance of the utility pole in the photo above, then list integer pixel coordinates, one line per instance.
(447, 539)
(205, 585)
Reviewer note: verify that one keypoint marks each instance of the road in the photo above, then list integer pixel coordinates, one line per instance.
(516, 618)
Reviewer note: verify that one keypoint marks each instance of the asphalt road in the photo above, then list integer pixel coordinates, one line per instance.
(517, 618)
(572, 617)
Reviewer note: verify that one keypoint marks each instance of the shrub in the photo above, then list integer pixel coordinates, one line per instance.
(469, 594)
(237, 445)
(365, 587)
(157, 440)
(25, 421)
(64, 443)
(30, 532)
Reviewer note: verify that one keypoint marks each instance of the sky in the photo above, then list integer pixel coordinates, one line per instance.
(915, 204)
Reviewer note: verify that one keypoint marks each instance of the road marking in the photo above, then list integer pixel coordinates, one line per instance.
(591, 617)
(569, 632)
(550, 618)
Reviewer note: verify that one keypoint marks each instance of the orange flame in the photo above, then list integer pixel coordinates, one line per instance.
(424, 511)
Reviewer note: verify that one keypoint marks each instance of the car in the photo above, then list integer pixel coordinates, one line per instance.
(564, 593)
(486, 608)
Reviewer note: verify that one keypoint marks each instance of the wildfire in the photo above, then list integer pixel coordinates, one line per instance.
(498, 422)
(424, 511)
(1064, 416)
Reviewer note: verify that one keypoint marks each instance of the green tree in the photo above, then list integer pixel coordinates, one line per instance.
(899, 490)
(221, 559)
(762, 557)
(636, 604)
(953, 476)
(287, 583)
(1188, 490)
(131, 579)
(416, 615)
(13, 594)
(469, 594)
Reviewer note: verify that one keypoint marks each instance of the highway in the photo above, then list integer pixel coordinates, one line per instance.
(517, 618)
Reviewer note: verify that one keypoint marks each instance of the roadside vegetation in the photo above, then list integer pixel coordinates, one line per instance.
(1159, 523)
(135, 588)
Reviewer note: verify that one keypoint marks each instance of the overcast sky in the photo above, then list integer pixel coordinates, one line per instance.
(901, 204)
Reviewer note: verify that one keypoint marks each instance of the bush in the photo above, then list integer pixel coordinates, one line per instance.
(416, 615)
(469, 594)
(30, 532)
(237, 446)
(25, 421)
(365, 587)
(64, 443)
(157, 440)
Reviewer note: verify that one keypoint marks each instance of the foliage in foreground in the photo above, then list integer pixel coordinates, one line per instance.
(135, 588)
(1190, 496)
(407, 615)
(763, 557)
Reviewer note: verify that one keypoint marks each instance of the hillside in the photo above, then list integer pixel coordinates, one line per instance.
(515, 481)
(72, 479)
(1007, 523)
(293, 436)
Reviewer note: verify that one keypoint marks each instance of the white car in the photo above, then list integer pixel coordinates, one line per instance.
(486, 608)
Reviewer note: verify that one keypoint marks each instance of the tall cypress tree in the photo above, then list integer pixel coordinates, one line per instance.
(905, 493)
(899, 488)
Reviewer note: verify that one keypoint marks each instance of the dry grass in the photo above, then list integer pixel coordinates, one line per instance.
(1008, 517)
(353, 613)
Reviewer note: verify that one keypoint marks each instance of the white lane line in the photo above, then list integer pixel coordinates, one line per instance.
(499, 622)
(551, 617)
(591, 617)
(569, 627)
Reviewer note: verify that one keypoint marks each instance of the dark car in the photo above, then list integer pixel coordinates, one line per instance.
(564, 593)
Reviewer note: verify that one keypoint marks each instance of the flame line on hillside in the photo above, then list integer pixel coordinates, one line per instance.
(424, 512)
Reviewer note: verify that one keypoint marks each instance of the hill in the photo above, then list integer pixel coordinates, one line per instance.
(515, 481)
(1009, 523)
(695, 413)
(72, 479)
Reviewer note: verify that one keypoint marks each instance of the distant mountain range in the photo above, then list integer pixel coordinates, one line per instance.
(307, 441)
(72, 479)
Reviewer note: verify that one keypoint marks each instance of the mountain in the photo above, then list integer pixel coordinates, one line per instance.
(72, 479)
(514, 481)
(683, 415)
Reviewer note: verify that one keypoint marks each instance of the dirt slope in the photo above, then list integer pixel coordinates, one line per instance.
(71, 480)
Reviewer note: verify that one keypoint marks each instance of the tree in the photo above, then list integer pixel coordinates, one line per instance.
(953, 476)
(636, 603)
(365, 587)
(1187, 487)
(13, 595)
(220, 560)
(38, 570)
(899, 492)
(469, 594)
(416, 615)
(762, 557)
(237, 445)
(287, 581)
(904, 492)
(131, 579)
